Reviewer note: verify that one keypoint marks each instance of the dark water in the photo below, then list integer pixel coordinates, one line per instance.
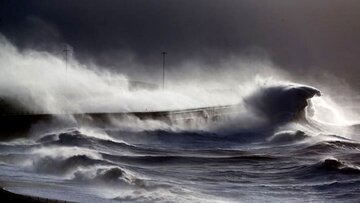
(297, 161)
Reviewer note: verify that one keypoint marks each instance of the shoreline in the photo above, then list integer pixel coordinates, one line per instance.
(8, 196)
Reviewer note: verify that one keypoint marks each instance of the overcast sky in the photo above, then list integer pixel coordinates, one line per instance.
(300, 36)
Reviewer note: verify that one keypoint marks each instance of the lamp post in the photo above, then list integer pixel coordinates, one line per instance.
(164, 54)
(66, 51)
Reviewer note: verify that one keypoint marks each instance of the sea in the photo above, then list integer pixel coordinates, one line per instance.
(292, 159)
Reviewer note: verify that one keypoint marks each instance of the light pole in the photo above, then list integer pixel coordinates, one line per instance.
(66, 51)
(164, 54)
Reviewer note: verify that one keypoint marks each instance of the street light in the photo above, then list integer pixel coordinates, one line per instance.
(164, 54)
(66, 51)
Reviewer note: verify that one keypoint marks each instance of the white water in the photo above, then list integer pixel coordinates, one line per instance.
(41, 82)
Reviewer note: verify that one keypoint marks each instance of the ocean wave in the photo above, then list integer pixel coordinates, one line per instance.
(77, 139)
(288, 136)
(108, 175)
(335, 165)
(327, 169)
(283, 102)
(58, 166)
(187, 160)
(324, 147)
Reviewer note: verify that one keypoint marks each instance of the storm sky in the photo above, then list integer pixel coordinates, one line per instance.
(299, 36)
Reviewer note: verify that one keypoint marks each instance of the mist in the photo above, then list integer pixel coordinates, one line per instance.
(44, 83)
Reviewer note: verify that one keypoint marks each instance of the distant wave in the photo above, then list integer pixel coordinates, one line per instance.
(331, 146)
(288, 136)
(338, 166)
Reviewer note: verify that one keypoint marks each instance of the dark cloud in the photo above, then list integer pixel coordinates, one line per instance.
(301, 36)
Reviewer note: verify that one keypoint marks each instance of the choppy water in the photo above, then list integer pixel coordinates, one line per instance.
(296, 161)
